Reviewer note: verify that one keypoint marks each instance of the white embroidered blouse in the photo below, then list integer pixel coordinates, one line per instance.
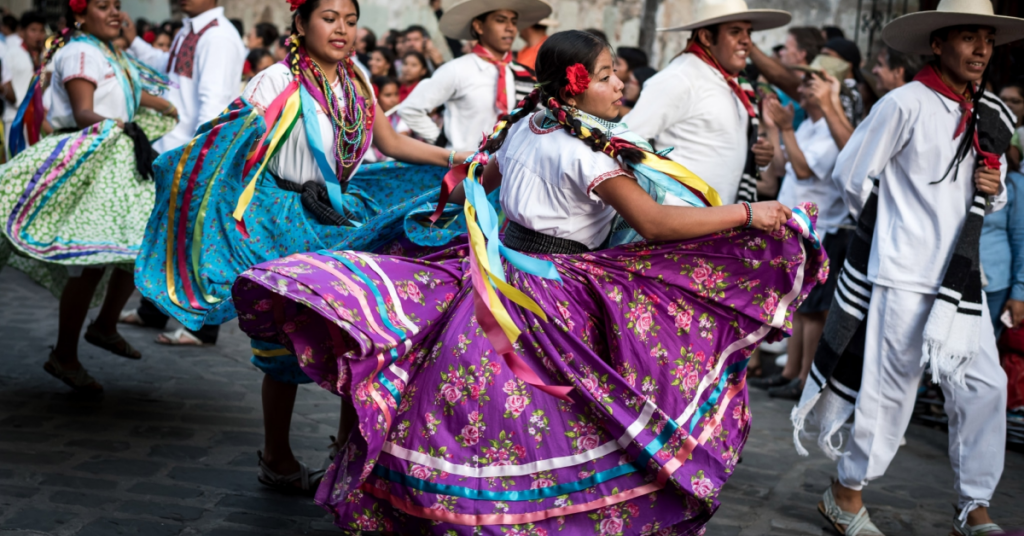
(548, 181)
(78, 60)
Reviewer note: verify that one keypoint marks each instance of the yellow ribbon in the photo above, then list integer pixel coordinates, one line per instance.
(290, 113)
(171, 211)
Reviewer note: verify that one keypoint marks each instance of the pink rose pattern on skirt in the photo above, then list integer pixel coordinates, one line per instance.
(653, 337)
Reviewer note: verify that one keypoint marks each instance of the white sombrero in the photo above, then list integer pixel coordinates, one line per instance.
(911, 34)
(457, 22)
(712, 12)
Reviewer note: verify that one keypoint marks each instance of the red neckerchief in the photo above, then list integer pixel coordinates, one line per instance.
(931, 79)
(501, 101)
(746, 98)
(405, 89)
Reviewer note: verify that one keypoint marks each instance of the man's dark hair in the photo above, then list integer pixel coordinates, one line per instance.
(257, 54)
(371, 40)
(809, 40)
(634, 57)
(416, 28)
(239, 26)
(832, 32)
(380, 82)
(267, 33)
(31, 17)
(10, 21)
(911, 63)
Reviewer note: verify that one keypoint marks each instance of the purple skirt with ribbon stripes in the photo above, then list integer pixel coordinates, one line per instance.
(653, 339)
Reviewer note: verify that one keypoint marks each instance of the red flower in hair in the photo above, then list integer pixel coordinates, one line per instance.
(78, 6)
(296, 4)
(579, 79)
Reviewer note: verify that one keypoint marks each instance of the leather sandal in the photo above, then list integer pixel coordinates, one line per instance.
(308, 481)
(843, 522)
(115, 344)
(79, 379)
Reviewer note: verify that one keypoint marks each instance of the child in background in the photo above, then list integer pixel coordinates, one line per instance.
(414, 70)
(387, 97)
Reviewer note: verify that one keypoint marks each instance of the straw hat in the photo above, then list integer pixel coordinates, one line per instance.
(836, 67)
(549, 22)
(457, 22)
(911, 34)
(712, 12)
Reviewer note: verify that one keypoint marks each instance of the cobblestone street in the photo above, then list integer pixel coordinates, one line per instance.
(171, 448)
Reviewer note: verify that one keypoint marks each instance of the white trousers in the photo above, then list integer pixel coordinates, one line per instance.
(885, 403)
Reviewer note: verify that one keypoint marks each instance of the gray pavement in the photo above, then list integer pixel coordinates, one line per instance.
(171, 448)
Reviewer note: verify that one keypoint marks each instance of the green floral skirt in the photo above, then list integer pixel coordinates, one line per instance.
(75, 201)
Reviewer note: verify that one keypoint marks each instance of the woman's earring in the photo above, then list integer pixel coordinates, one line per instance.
(78, 25)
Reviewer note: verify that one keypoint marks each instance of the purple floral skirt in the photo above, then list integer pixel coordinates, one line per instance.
(654, 339)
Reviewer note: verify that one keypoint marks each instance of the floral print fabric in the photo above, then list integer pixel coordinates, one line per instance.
(76, 200)
(654, 339)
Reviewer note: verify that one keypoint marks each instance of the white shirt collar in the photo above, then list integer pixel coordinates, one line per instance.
(200, 21)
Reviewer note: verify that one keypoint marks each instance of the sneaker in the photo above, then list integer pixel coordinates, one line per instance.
(769, 382)
(789, 391)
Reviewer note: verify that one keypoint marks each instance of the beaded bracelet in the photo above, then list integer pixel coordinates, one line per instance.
(750, 214)
(451, 160)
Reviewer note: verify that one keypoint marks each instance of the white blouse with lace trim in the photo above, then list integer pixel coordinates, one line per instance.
(548, 181)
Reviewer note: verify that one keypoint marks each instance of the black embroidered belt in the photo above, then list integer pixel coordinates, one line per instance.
(526, 240)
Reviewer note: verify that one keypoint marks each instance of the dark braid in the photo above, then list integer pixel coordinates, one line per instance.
(58, 43)
(523, 109)
(598, 140)
(558, 52)
(293, 52)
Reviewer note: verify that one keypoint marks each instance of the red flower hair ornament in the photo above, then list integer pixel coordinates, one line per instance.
(78, 6)
(296, 4)
(579, 79)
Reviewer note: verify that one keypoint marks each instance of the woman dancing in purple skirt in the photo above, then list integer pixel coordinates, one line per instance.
(544, 385)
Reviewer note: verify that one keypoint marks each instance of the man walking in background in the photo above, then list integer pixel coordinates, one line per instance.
(205, 68)
(698, 106)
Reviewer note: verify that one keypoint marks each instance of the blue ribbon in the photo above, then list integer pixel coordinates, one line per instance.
(382, 310)
(512, 496)
(487, 218)
(713, 398)
(316, 144)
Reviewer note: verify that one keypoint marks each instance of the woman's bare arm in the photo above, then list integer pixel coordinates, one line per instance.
(81, 93)
(658, 223)
(407, 149)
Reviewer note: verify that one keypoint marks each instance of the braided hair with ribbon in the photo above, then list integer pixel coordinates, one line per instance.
(563, 64)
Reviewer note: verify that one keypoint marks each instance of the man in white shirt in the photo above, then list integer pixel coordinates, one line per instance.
(205, 69)
(477, 88)
(910, 144)
(18, 65)
(204, 66)
(697, 106)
